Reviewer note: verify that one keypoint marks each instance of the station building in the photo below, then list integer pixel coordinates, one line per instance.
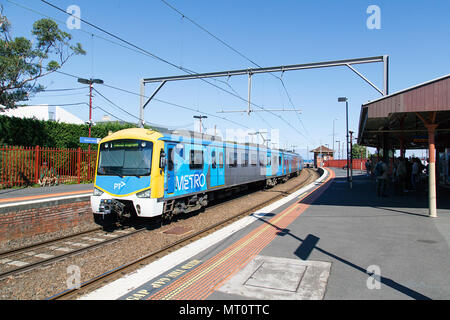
(322, 154)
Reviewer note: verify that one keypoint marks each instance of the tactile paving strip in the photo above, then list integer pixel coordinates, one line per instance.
(202, 281)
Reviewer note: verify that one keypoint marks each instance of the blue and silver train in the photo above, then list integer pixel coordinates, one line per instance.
(147, 173)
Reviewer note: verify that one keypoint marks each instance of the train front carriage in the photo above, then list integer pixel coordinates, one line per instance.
(143, 173)
(129, 176)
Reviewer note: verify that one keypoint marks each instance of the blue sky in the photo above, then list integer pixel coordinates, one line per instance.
(413, 33)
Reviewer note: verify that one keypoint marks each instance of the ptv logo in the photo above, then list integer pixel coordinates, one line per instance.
(119, 185)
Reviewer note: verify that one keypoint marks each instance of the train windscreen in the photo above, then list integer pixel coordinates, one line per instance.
(125, 158)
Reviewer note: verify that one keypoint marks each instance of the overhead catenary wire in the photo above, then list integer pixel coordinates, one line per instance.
(179, 106)
(159, 100)
(172, 104)
(174, 65)
(239, 53)
(64, 89)
(143, 51)
(114, 104)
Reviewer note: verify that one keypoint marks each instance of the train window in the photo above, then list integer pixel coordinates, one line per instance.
(269, 160)
(262, 159)
(279, 160)
(213, 159)
(221, 160)
(179, 149)
(232, 159)
(170, 158)
(196, 159)
(253, 159)
(244, 160)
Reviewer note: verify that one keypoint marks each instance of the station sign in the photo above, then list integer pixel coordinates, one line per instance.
(90, 140)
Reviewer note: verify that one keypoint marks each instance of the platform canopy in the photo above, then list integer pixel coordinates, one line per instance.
(400, 119)
(414, 118)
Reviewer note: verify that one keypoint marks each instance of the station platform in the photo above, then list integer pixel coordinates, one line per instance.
(325, 241)
(18, 196)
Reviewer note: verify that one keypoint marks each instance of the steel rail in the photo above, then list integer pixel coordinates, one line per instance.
(67, 294)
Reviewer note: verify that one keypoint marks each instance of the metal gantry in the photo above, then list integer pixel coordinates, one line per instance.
(252, 71)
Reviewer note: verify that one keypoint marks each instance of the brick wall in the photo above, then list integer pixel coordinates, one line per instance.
(29, 220)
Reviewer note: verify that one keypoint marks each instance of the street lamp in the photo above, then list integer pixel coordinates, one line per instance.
(351, 158)
(200, 118)
(344, 99)
(90, 82)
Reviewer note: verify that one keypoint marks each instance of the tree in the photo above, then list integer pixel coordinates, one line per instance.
(24, 62)
(356, 151)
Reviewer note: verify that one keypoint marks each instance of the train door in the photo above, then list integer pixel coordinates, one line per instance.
(170, 187)
(217, 176)
(269, 163)
(290, 164)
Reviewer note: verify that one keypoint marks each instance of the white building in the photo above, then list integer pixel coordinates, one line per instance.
(42, 112)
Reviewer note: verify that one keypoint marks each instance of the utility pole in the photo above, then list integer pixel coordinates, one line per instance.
(351, 158)
(90, 82)
(344, 99)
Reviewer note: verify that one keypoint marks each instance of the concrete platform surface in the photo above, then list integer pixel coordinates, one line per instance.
(378, 247)
(334, 243)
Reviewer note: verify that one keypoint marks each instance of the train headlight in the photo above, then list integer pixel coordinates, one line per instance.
(144, 194)
(97, 192)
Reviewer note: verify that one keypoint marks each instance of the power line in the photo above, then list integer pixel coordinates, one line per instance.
(166, 61)
(145, 52)
(178, 106)
(55, 105)
(97, 107)
(212, 35)
(115, 104)
(240, 54)
(121, 39)
(172, 64)
(159, 100)
(66, 89)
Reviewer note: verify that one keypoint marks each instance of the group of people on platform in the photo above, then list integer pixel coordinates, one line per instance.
(405, 174)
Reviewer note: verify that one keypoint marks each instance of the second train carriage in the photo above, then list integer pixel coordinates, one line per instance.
(148, 173)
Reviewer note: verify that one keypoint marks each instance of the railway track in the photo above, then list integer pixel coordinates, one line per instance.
(118, 272)
(27, 258)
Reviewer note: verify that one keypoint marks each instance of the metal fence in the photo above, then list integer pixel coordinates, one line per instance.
(45, 166)
(356, 164)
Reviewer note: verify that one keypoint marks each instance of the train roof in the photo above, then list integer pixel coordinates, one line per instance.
(178, 136)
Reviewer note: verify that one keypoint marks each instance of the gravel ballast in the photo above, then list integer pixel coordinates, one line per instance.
(44, 282)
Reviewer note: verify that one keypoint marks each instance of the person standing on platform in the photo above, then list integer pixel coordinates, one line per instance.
(368, 167)
(401, 172)
(414, 174)
(381, 172)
